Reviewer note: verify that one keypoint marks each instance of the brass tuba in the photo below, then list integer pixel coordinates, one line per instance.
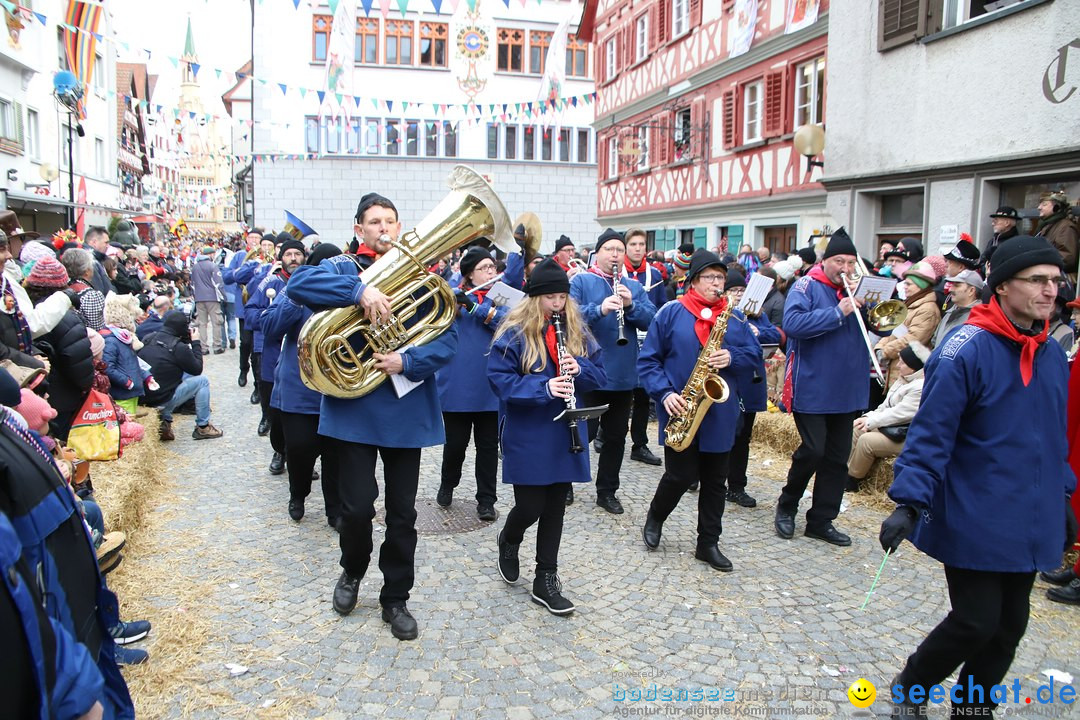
(884, 316)
(422, 305)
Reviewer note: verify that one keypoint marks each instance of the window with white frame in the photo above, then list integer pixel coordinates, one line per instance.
(412, 137)
(510, 142)
(643, 148)
(583, 145)
(612, 157)
(492, 141)
(99, 157)
(371, 137)
(680, 17)
(682, 135)
(8, 126)
(101, 80)
(641, 33)
(810, 92)
(449, 139)
(431, 139)
(393, 137)
(311, 134)
(353, 136)
(564, 145)
(609, 59)
(752, 112)
(332, 128)
(33, 135)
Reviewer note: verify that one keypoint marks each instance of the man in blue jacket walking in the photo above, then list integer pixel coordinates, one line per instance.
(379, 424)
(985, 466)
(827, 387)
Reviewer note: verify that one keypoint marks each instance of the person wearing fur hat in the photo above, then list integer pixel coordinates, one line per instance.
(924, 314)
(1059, 228)
(610, 314)
(379, 424)
(71, 363)
(469, 405)
(533, 384)
(672, 348)
(826, 388)
(208, 290)
(291, 254)
(878, 434)
(294, 404)
(129, 379)
(979, 497)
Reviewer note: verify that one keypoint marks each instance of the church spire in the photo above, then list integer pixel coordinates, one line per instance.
(190, 57)
(189, 43)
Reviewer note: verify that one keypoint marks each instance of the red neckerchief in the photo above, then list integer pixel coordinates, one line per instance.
(478, 295)
(992, 318)
(560, 263)
(662, 269)
(642, 269)
(695, 303)
(552, 346)
(817, 273)
(366, 251)
(608, 278)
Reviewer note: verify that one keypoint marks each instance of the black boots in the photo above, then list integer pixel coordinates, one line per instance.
(402, 623)
(296, 509)
(345, 593)
(547, 591)
(650, 534)
(509, 568)
(711, 554)
(277, 464)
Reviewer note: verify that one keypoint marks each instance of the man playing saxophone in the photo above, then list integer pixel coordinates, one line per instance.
(681, 340)
(379, 424)
(605, 300)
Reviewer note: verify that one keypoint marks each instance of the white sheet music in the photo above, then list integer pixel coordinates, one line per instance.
(403, 385)
(874, 289)
(502, 294)
(757, 289)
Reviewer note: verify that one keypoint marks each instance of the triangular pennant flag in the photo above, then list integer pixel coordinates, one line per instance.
(284, 88)
(506, 3)
(573, 101)
(175, 61)
(217, 71)
(338, 97)
(404, 106)
(322, 96)
(96, 36)
(437, 4)
(195, 69)
(375, 103)
(384, 8)
(41, 18)
(303, 91)
(333, 6)
(389, 106)
(367, 6)
(453, 5)
(403, 6)
(357, 101)
(295, 4)
(241, 76)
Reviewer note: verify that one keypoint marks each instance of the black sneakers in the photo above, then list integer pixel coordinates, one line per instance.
(509, 568)
(547, 591)
(740, 498)
(486, 512)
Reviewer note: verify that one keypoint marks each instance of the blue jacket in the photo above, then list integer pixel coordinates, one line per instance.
(380, 418)
(652, 279)
(668, 357)
(986, 459)
(258, 302)
(67, 681)
(620, 363)
(753, 390)
(237, 274)
(252, 312)
(828, 364)
(206, 281)
(122, 366)
(461, 383)
(151, 324)
(536, 450)
(514, 274)
(282, 321)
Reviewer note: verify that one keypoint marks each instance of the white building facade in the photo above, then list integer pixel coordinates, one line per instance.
(34, 127)
(942, 112)
(423, 92)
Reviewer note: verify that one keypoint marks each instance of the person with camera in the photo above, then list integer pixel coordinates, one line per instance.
(175, 357)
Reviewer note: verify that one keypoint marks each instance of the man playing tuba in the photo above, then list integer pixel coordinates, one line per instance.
(378, 424)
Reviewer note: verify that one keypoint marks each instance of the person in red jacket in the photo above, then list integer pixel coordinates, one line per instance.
(1068, 575)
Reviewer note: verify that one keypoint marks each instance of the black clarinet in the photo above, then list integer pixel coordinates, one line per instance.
(571, 402)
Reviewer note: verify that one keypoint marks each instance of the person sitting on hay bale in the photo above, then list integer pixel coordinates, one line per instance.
(880, 433)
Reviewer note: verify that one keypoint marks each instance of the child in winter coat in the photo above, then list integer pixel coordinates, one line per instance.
(128, 378)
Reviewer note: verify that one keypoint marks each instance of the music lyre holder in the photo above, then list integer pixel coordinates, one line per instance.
(585, 413)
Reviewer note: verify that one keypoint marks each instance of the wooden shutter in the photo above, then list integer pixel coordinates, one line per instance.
(731, 135)
(695, 14)
(654, 35)
(698, 141)
(628, 44)
(901, 22)
(663, 21)
(661, 140)
(775, 105)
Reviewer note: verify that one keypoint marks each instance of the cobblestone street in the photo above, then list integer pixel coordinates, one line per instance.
(783, 632)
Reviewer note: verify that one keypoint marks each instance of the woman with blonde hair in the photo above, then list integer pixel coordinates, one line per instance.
(534, 383)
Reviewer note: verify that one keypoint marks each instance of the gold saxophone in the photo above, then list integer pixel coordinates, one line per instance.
(702, 389)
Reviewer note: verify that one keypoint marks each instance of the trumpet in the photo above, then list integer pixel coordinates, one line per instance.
(571, 402)
(620, 313)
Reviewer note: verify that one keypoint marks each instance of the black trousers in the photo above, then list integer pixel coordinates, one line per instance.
(247, 341)
(826, 444)
(484, 427)
(613, 426)
(989, 617)
(256, 362)
(358, 489)
(740, 452)
(277, 437)
(683, 469)
(639, 419)
(545, 504)
(303, 445)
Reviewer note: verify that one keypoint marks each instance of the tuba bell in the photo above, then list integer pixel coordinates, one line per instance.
(336, 347)
(886, 315)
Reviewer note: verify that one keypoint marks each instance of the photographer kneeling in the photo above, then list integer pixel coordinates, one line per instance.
(175, 357)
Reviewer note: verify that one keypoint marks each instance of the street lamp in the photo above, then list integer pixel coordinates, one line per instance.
(809, 141)
(68, 91)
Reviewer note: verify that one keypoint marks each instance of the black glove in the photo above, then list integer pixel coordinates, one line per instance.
(464, 300)
(1071, 528)
(73, 297)
(897, 527)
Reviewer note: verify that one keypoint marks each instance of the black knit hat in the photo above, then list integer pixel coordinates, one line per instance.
(321, 252)
(840, 244)
(175, 323)
(1020, 253)
(734, 280)
(472, 257)
(609, 235)
(282, 238)
(908, 249)
(964, 253)
(372, 199)
(808, 255)
(914, 355)
(547, 277)
(703, 259)
(562, 242)
(291, 244)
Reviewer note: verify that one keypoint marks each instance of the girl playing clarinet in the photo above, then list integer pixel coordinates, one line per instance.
(535, 382)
